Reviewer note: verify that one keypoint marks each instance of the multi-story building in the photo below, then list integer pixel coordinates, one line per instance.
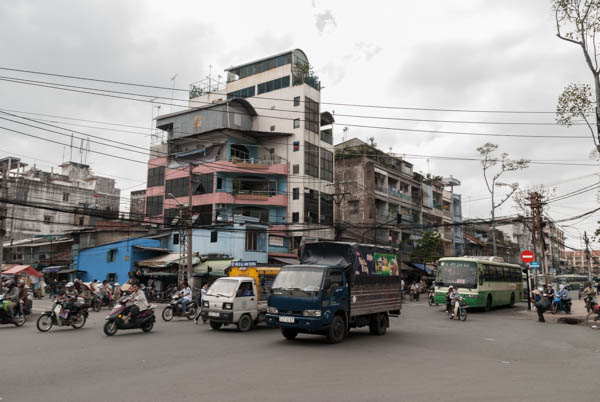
(383, 201)
(577, 262)
(554, 239)
(49, 203)
(255, 148)
(137, 205)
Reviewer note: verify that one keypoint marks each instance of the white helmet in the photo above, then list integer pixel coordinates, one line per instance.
(117, 284)
(70, 285)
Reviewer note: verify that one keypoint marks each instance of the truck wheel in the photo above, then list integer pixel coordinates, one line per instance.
(378, 324)
(245, 323)
(289, 333)
(337, 330)
(215, 325)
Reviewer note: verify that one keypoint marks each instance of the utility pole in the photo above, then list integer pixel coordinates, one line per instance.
(4, 169)
(190, 221)
(338, 198)
(537, 217)
(587, 255)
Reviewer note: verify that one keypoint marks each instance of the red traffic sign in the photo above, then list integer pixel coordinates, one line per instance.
(527, 256)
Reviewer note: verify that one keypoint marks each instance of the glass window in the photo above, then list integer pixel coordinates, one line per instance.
(214, 235)
(311, 159)
(296, 169)
(326, 165)
(296, 123)
(311, 115)
(156, 176)
(457, 273)
(296, 101)
(261, 88)
(296, 146)
(65, 197)
(326, 209)
(295, 217)
(311, 206)
(296, 193)
(154, 205)
(276, 84)
(285, 81)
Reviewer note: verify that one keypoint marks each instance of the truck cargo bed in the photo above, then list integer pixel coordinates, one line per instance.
(376, 297)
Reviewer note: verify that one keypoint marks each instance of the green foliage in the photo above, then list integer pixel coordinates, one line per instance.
(428, 249)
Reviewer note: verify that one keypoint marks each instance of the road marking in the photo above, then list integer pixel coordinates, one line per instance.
(490, 339)
(505, 362)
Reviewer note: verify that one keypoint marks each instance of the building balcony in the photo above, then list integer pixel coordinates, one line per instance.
(399, 194)
(381, 189)
(250, 197)
(238, 165)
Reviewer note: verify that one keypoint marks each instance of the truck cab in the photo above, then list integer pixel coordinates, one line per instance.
(239, 299)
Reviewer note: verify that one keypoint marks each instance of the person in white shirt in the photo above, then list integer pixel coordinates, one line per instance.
(186, 296)
(139, 302)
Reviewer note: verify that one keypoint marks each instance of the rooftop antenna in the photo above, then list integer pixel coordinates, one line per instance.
(71, 148)
(172, 91)
(209, 78)
(428, 170)
(345, 131)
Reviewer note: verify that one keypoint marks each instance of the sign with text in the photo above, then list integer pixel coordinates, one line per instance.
(240, 264)
(534, 265)
(527, 256)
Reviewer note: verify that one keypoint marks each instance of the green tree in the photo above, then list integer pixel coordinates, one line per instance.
(578, 22)
(428, 249)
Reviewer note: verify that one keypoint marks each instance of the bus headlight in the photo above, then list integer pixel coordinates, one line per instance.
(311, 313)
(272, 310)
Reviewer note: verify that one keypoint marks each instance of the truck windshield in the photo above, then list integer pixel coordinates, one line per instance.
(306, 279)
(457, 273)
(222, 287)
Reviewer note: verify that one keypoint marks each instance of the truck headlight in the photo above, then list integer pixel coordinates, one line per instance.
(227, 306)
(311, 313)
(272, 310)
(205, 304)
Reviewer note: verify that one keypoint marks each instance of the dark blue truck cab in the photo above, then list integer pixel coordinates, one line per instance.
(336, 287)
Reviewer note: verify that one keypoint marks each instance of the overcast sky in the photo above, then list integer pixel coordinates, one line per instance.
(446, 54)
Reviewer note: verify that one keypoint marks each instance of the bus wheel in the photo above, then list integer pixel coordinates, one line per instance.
(488, 303)
(512, 299)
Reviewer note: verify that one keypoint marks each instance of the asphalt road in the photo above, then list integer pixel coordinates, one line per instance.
(494, 356)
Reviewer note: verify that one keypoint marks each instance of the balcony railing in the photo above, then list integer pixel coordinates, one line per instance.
(255, 161)
(381, 189)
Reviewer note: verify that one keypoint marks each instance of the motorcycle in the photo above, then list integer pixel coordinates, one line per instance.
(589, 303)
(462, 311)
(18, 319)
(61, 316)
(100, 300)
(593, 318)
(116, 319)
(174, 309)
(431, 297)
(559, 304)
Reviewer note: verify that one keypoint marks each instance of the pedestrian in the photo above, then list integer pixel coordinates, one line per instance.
(53, 288)
(402, 288)
(541, 305)
(413, 291)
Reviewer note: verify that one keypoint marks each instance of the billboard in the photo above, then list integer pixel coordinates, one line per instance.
(382, 264)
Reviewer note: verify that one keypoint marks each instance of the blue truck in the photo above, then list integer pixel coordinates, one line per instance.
(336, 287)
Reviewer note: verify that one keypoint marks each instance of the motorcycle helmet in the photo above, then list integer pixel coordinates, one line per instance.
(117, 284)
(450, 287)
(70, 285)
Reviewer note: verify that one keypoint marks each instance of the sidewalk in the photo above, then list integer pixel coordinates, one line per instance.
(577, 316)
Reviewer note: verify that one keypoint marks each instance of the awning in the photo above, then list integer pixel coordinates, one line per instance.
(22, 269)
(148, 272)
(163, 261)
(54, 268)
(422, 267)
(286, 261)
(69, 271)
(406, 267)
(217, 267)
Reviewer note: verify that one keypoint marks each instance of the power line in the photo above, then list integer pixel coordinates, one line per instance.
(279, 99)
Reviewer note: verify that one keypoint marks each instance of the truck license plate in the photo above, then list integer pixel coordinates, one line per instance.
(213, 314)
(286, 319)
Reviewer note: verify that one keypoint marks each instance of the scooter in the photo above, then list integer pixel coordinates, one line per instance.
(431, 297)
(18, 319)
(174, 309)
(559, 304)
(116, 319)
(61, 316)
(589, 303)
(100, 300)
(462, 310)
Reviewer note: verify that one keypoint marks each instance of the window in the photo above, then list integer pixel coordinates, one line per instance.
(296, 101)
(245, 290)
(214, 236)
(66, 197)
(219, 183)
(201, 184)
(311, 115)
(311, 206)
(156, 176)
(295, 169)
(239, 152)
(255, 240)
(295, 217)
(262, 66)
(296, 123)
(177, 187)
(111, 277)
(353, 206)
(296, 193)
(311, 159)
(242, 93)
(81, 220)
(326, 165)
(47, 219)
(269, 86)
(296, 146)
(335, 278)
(326, 209)
(111, 255)
(154, 205)
(175, 238)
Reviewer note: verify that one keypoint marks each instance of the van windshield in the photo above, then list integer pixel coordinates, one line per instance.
(305, 279)
(222, 287)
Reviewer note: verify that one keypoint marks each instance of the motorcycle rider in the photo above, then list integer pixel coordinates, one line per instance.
(12, 296)
(448, 300)
(139, 302)
(455, 297)
(71, 296)
(106, 291)
(185, 295)
(22, 295)
(563, 293)
(590, 293)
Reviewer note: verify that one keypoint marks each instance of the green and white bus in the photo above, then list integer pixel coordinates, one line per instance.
(572, 281)
(483, 281)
